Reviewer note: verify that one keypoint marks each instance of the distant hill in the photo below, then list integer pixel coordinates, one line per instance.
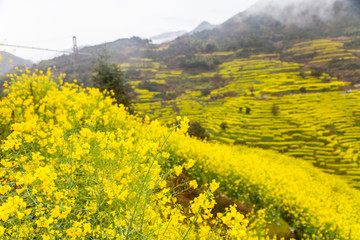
(9, 61)
(256, 30)
(121, 51)
(279, 20)
(166, 37)
(169, 36)
(202, 27)
(249, 69)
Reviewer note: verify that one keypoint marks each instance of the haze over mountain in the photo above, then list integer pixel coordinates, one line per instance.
(267, 27)
(166, 37)
(9, 61)
(169, 36)
(300, 13)
(203, 26)
(272, 18)
(283, 76)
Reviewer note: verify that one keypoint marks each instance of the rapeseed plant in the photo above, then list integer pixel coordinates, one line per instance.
(76, 166)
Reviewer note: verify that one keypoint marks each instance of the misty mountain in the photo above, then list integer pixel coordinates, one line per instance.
(169, 36)
(166, 37)
(270, 26)
(120, 51)
(300, 13)
(327, 17)
(9, 61)
(202, 27)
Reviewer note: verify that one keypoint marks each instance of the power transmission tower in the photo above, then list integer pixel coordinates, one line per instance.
(76, 50)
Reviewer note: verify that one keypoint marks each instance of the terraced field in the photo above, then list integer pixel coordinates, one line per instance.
(320, 51)
(275, 105)
(76, 166)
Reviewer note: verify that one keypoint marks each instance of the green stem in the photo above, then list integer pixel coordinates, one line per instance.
(193, 222)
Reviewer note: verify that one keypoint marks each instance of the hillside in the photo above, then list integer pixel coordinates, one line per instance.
(203, 26)
(254, 31)
(121, 50)
(166, 37)
(74, 165)
(275, 96)
(9, 61)
(169, 36)
(242, 79)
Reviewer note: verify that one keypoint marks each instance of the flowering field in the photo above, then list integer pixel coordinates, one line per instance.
(273, 104)
(76, 166)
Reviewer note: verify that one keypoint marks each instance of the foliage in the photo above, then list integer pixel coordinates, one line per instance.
(151, 86)
(76, 166)
(196, 130)
(303, 128)
(224, 126)
(109, 77)
(198, 62)
(211, 46)
(353, 44)
(302, 90)
(275, 109)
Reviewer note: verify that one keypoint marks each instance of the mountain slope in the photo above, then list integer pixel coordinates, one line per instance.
(74, 150)
(283, 21)
(166, 37)
(120, 51)
(256, 30)
(9, 61)
(169, 36)
(203, 26)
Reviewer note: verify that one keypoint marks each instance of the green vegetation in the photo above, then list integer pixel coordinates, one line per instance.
(261, 101)
(196, 130)
(108, 77)
(75, 165)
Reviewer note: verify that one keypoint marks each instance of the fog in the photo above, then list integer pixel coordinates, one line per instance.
(298, 12)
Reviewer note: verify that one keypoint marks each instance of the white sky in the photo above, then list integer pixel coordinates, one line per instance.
(52, 23)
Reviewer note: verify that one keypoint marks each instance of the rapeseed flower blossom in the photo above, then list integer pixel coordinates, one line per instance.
(76, 166)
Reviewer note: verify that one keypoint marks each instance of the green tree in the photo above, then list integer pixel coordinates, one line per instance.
(275, 109)
(224, 126)
(108, 76)
(196, 130)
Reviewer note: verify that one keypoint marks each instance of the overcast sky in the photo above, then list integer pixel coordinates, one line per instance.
(52, 23)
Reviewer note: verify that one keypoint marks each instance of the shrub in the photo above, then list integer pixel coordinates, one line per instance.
(302, 90)
(109, 78)
(196, 130)
(224, 126)
(275, 109)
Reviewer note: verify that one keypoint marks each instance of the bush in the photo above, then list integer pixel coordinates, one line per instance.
(196, 130)
(193, 61)
(224, 126)
(151, 86)
(302, 90)
(316, 72)
(108, 77)
(275, 109)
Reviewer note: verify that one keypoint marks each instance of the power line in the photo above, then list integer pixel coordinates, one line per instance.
(34, 48)
(41, 49)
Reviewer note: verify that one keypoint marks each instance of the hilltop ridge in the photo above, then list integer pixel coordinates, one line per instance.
(9, 61)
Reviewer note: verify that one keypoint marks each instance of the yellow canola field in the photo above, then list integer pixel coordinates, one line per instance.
(321, 205)
(75, 166)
